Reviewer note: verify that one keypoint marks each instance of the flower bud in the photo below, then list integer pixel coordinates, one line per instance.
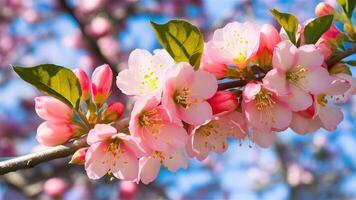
(223, 101)
(323, 9)
(54, 133)
(127, 189)
(217, 69)
(51, 109)
(79, 156)
(113, 112)
(55, 187)
(269, 38)
(84, 82)
(101, 83)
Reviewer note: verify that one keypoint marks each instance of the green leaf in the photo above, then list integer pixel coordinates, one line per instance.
(288, 22)
(56, 81)
(350, 62)
(182, 40)
(348, 6)
(316, 28)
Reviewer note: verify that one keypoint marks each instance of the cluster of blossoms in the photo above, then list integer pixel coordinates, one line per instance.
(180, 112)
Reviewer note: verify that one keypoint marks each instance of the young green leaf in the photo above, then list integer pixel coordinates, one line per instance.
(182, 40)
(288, 22)
(316, 28)
(348, 6)
(56, 81)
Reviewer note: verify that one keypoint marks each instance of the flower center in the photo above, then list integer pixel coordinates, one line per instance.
(322, 100)
(183, 97)
(264, 99)
(114, 146)
(294, 76)
(151, 120)
(150, 80)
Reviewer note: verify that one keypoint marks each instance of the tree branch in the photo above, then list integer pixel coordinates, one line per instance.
(337, 58)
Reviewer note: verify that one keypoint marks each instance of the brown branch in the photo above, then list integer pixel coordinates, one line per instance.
(337, 58)
(93, 46)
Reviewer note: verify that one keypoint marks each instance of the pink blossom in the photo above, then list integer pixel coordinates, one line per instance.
(79, 156)
(150, 165)
(111, 152)
(114, 111)
(151, 124)
(212, 135)
(223, 101)
(110, 47)
(54, 133)
(234, 44)
(51, 109)
(55, 187)
(344, 96)
(264, 112)
(145, 74)
(99, 26)
(296, 73)
(331, 33)
(185, 94)
(269, 38)
(209, 65)
(127, 189)
(323, 9)
(323, 46)
(84, 83)
(101, 83)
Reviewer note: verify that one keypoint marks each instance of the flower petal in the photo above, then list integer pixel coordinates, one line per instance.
(203, 84)
(303, 125)
(298, 99)
(282, 116)
(175, 160)
(97, 161)
(310, 57)
(263, 139)
(100, 132)
(330, 117)
(149, 168)
(276, 81)
(284, 56)
(125, 166)
(316, 81)
(196, 114)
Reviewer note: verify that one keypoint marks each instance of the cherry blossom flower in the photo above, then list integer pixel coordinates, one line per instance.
(264, 112)
(296, 73)
(234, 44)
(185, 94)
(51, 109)
(145, 74)
(212, 135)
(152, 126)
(150, 165)
(208, 64)
(111, 153)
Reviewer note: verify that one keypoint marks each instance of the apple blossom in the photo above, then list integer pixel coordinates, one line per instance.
(145, 74)
(212, 135)
(185, 94)
(234, 44)
(209, 65)
(151, 124)
(54, 133)
(223, 101)
(101, 80)
(111, 152)
(150, 165)
(51, 109)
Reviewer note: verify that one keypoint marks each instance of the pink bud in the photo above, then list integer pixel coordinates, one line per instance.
(331, 33)
(127, 189)
(114, 111)
(55, 187)
(223, 101)
(84, 82)
(101, 83)
(323, 9)
(51, 109)
(54, 133)
(217, 69)
(79, 156)
(269, 38)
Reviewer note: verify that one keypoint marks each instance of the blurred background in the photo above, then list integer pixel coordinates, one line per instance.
(88, 33)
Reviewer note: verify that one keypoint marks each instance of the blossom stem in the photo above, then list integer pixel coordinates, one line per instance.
(337, 58)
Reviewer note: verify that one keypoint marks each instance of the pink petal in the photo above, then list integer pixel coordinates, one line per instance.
(125, 82)
(303, 125)
(330, 117)
(284, 56)
(257, 119)
(282, 116)
(203, 84)
(149, 168)
(97, 160)
(196, 114)
(185, 73)
(250, 91)
(316, 81)
(200, 146)
(175, 160)
(309, 57)
(263, 139)
(100, 132)
(126, 166)
(276, 81)
(132, 145)
(298, 99)
(338, 86)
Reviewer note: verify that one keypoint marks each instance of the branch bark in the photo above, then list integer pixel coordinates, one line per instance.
(337, 58)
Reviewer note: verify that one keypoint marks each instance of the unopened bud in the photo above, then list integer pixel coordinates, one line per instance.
(79, 156)
(223, 101)
(323, 9)
(113, 112)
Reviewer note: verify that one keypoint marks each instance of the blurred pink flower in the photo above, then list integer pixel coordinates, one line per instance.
(323, 9)
(55, 187)
(109, 46)
(99, 26)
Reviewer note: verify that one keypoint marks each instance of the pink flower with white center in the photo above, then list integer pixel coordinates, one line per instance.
(320, 114)
(149, 166)
(297, 72)
(151, 124)
(145, 74)
(264, 111)
(111, 153)
(185, 94)
(234, 44)
(212, 135)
